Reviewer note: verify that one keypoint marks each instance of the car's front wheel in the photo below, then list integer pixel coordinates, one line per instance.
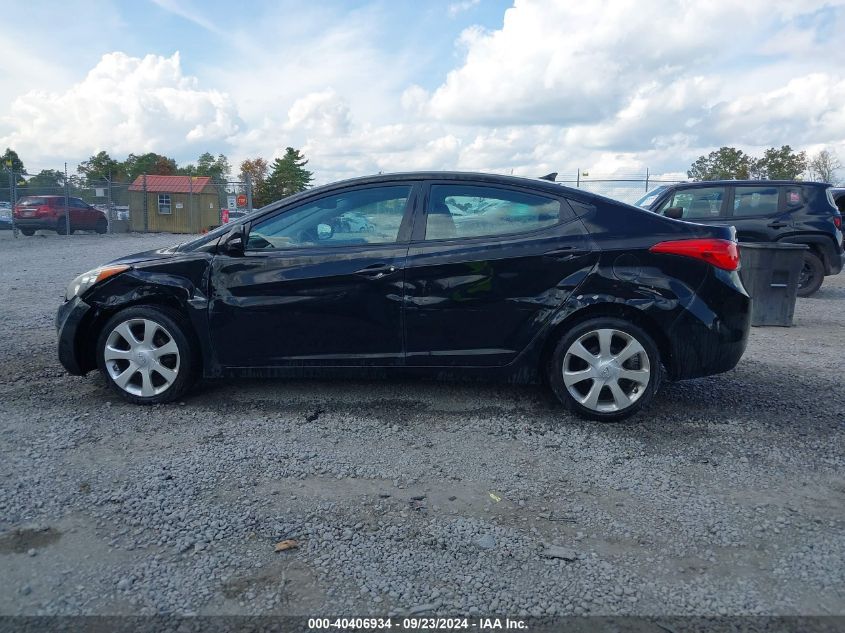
(605, 369)
(28, 232)
(147, 355)
(102, 226)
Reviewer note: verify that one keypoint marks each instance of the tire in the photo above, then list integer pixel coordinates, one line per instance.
(812, 275)
(602, 342)
(28, 232)
(61, 227)
(137, 369)
(101, 226)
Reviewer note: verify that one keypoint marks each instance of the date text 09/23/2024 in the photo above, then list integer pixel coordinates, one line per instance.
(424, 623)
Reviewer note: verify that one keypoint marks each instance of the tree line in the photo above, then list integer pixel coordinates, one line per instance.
(730, 163)
(270, 181)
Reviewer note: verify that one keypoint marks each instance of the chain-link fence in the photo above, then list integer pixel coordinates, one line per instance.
(626, 188)
(190, 204)
(151, 203)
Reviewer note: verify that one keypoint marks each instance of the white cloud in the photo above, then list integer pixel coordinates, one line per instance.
(187, 11)
(608, 86)
(456, 8)
(125, 104)
(324, 111)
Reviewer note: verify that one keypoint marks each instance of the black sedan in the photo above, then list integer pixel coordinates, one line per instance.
(457, 273)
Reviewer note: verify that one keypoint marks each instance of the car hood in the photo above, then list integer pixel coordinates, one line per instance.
(147, 256)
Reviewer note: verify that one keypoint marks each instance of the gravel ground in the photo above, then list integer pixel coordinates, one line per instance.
(726, 497)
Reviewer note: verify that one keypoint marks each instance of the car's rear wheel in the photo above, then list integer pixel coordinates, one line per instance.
(812, 275)
(61, 227)
(605, 369)
(28, 232)
(147, 355)
(102, 226)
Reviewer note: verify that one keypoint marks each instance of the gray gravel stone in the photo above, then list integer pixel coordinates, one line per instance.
(724, 497)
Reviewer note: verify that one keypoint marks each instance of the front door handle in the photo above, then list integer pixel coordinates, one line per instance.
(777, 224)
(376, 271)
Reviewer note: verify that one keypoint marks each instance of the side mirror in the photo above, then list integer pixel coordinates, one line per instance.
(324, 231)
(676, 213)
(233, 243)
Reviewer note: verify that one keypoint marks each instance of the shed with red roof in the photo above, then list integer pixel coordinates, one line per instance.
(173, 204)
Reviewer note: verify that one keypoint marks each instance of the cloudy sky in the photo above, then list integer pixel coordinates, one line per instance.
(528, 86)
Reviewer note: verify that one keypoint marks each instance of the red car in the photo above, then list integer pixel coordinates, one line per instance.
(49, 212)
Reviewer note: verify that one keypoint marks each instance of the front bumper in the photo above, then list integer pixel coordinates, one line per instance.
(68, 321)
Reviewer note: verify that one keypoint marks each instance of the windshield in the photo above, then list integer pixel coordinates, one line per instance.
(646, 201)
(214, 234)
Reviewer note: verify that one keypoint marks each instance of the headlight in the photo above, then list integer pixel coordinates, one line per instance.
(86, 280)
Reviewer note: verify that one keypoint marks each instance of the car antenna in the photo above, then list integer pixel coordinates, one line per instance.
(550, 177)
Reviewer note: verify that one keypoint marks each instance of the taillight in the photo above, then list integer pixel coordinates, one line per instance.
(43, 210)
(723, 254)
(837, 221)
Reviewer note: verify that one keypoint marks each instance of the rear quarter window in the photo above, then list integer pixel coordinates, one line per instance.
(33, 201)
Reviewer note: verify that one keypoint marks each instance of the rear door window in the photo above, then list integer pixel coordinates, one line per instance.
(699, 203)
(467, 211)
(755, 201)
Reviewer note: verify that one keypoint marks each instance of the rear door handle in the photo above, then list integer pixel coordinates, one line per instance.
(777, 224)
(376, 271)
(566, 252)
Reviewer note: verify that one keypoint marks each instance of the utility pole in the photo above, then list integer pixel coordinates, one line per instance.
(646, 179)
(578, 179)
(67, 205)
(249, 193)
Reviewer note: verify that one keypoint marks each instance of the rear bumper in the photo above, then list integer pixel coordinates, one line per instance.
(711, 335)
(68, 320)
(837, 262)
(36, 223)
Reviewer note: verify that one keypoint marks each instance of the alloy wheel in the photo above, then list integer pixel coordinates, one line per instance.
(606, 370)
(141, 357)
(805, 276)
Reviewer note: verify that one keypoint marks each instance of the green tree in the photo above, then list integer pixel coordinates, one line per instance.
(781, 164)
(101, 167)
(11, 159)
(218, 168)
(726, 163)
(46, 181)
(150, 163)
(287, 176)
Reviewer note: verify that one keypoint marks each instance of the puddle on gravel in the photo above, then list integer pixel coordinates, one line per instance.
(22, 540)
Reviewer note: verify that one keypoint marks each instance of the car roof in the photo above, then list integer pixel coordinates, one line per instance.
(493, 179)
(762, 183)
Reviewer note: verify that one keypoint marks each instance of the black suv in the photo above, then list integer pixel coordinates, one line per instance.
(764, 211)
(839, 198)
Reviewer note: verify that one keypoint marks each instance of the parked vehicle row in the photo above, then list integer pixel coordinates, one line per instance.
(765, 211)
(33, 213)
(5, 216)
(433, 273)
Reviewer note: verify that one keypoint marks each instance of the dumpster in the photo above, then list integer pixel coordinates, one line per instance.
(770, 273)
